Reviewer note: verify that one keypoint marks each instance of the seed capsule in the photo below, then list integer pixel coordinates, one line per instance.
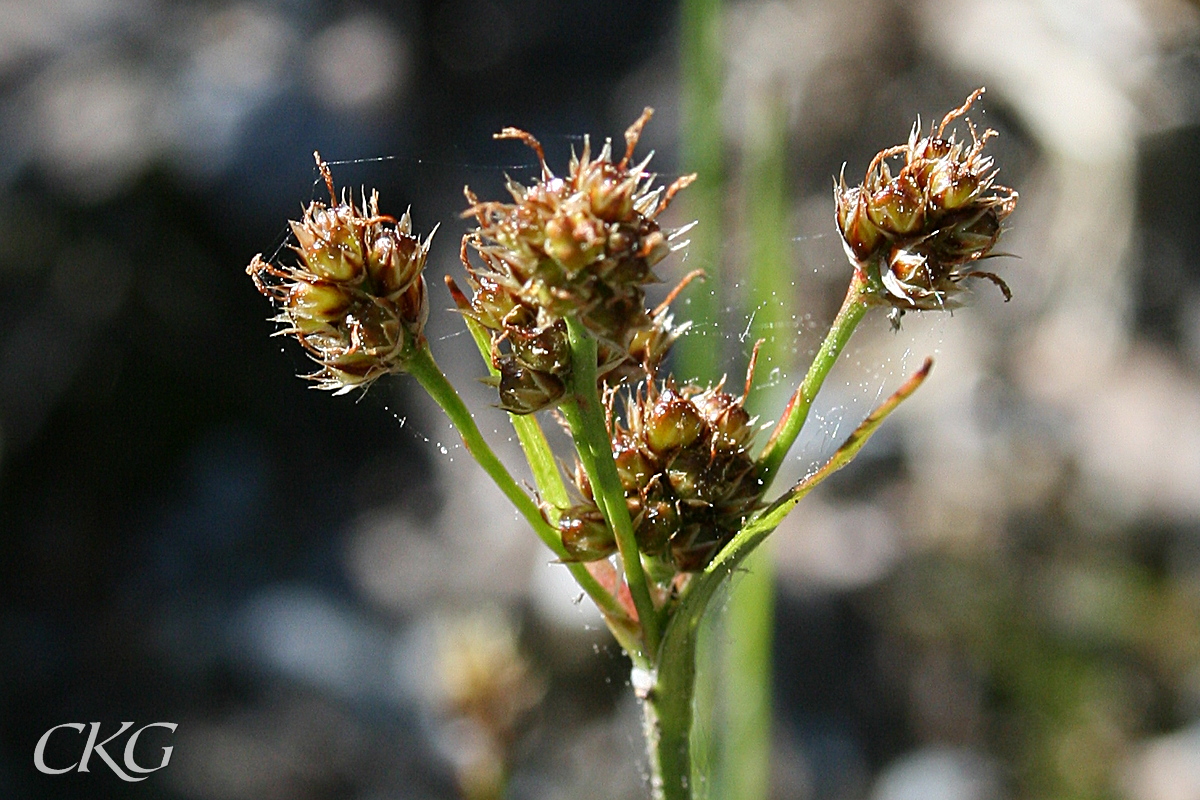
(672, 423)
(396, 259)
(726, 418)
(585, 536)
(633, 467)
(314, 307)
(970, 239)
(898, 207)
(541, 349)
(859, 234)
(524, 390)
(950, 185)
(330, 242)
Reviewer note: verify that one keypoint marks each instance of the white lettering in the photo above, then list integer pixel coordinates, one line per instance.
(92, 746)
(131, 765)
(98, 749)
(39, 752)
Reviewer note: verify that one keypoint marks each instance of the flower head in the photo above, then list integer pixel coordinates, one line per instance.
(584, 244)
(357, 300)
(922, 229)
(683, 458)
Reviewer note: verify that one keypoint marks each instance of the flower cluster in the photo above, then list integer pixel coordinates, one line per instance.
(357, 302)
(583, 245)
(924, 227)
(689, 479)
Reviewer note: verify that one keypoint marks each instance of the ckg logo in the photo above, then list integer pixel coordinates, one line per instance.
(94, 747)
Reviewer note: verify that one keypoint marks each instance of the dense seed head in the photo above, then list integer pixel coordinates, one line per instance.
(923, 228)
(356, 301)
(584, 244)
(683, 458)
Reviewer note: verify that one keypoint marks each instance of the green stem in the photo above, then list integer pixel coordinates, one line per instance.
(744, 768)
(589, 429)
(422, 367)
(668, 691)
(854, 307)
(666, 695)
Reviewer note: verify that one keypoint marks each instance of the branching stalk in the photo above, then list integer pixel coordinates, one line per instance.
(585, 415)
(854, 307)
(422, 367)
(550, 484)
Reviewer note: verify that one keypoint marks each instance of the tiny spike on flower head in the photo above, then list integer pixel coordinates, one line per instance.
(357, 300)
(919, 232)
(584, 244)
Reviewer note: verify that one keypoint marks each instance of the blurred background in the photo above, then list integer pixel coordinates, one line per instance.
(999, 599)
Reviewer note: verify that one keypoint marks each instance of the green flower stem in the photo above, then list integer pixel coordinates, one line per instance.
(586, 417)
(533, 440)
(667, 692)
(854, 307)
(422, 367)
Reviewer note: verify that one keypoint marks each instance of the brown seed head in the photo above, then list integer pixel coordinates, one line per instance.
(583, 244)
(923, 227)
(357, 301)
(683, 458)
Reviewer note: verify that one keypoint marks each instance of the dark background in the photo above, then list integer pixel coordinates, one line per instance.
(1000, 600)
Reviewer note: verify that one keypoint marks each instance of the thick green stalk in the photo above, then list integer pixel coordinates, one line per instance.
(586, 418)
(854, 307)
(422, 367)
(666, 694)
